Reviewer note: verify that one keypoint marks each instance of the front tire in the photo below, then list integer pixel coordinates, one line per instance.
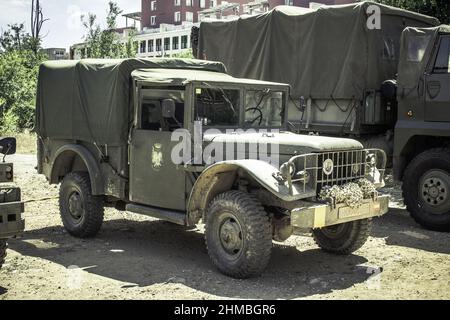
(81, 212)
(3, 247)
(344, 238)
(426, 189)
(238, 234)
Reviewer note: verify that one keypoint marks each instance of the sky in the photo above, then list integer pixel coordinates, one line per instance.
(64, 27)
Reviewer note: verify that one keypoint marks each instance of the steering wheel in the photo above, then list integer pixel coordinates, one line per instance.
(260, 116)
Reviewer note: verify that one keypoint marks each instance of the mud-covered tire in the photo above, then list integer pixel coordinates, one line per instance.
(3, 247)
(238, 234)
(81, 212)
(345, 238)
(420, 171)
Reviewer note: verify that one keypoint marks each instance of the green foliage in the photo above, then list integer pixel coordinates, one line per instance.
(106, 43)
(18, 76)
(184, 55)
(435, 8)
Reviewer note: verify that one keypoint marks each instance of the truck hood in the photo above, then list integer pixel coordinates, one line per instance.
(289, 143)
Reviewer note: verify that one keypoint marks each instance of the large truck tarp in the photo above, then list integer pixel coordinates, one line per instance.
(321, 53)
(89, 100)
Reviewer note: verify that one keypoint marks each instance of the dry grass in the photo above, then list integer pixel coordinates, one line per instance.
(26, 142)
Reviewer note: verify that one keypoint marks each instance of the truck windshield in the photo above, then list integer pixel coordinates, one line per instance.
(264, 108)
(215, 106)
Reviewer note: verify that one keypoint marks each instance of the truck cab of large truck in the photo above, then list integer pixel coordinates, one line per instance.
(422, 132)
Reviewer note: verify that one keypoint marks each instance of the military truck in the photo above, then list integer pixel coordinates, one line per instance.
(11, 207)
(111, 131)
(345, 70)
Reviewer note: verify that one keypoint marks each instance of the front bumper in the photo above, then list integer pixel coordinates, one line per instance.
(324, 215)
(11, 209)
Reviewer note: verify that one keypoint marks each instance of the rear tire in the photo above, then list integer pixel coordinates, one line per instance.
(426, 189)
(344, 238)
(81, 212)
(3, 247)
(238, 234)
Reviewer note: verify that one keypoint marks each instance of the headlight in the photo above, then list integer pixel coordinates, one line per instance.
(288, 169)
(372, 159)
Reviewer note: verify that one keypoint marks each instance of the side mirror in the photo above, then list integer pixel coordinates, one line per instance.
(7, 146)
(168, 108)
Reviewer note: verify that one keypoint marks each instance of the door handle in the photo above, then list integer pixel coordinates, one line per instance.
(433, 88)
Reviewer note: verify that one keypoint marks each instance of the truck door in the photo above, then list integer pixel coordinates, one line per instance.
(154, 178)
(437, 97)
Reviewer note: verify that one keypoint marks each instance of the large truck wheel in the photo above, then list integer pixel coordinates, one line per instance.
(81, 212)
(426, 189)
(238, 234)
(3, 247)
(343, 238)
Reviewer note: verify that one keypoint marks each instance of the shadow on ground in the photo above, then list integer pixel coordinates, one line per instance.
(399, 229)
(146, 253)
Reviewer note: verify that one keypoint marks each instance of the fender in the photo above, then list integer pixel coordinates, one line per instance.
(66, 154)
(220, 177)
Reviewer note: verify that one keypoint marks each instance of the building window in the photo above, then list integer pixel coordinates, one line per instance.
(188, 3)
(143, 45)
(202, 4)
(175, 43)
(166, 44)
(153, 20)
(153, 6)
(189, 17)
(184, 42)
(289, 2)
(212, 3)
(151, 47)
(177, 17)
(158, 45)
(177, 3)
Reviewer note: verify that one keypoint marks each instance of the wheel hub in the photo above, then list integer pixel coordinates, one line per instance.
(231, 236)
(435, 189)
(75, 205)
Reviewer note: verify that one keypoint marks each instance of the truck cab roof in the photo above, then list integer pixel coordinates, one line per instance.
(180, 77)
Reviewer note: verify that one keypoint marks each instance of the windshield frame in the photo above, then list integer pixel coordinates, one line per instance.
(243, 88)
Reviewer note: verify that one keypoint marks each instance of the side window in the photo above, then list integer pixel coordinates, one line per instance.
(417, 46)
(151, 117)
(442, 64)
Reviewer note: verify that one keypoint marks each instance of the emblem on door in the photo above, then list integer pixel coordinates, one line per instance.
(157, 156)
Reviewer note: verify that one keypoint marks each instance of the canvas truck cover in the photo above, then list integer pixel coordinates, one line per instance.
(89, 100)
(321, 53)
(416, 48)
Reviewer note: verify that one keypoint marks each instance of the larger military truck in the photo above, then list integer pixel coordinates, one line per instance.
(11, 207)
(110, 132)
(352, 75)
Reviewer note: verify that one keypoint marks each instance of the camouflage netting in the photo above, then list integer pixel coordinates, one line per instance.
(352, 193)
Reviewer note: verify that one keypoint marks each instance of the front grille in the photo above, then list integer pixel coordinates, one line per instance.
(347, 166)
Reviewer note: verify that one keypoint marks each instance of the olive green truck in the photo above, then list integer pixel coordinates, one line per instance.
(367, 71)
(11, 207)
(147, 135)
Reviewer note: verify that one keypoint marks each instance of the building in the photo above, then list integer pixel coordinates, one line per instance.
(56, 53)
(175, 12)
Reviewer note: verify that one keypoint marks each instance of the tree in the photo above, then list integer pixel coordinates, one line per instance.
(435, 8)
(19, 66)
(37, 21)
(106, 43)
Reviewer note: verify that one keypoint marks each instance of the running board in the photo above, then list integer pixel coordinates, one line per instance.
(176, 217)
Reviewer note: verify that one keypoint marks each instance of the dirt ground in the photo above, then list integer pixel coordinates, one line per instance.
(137, 257)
